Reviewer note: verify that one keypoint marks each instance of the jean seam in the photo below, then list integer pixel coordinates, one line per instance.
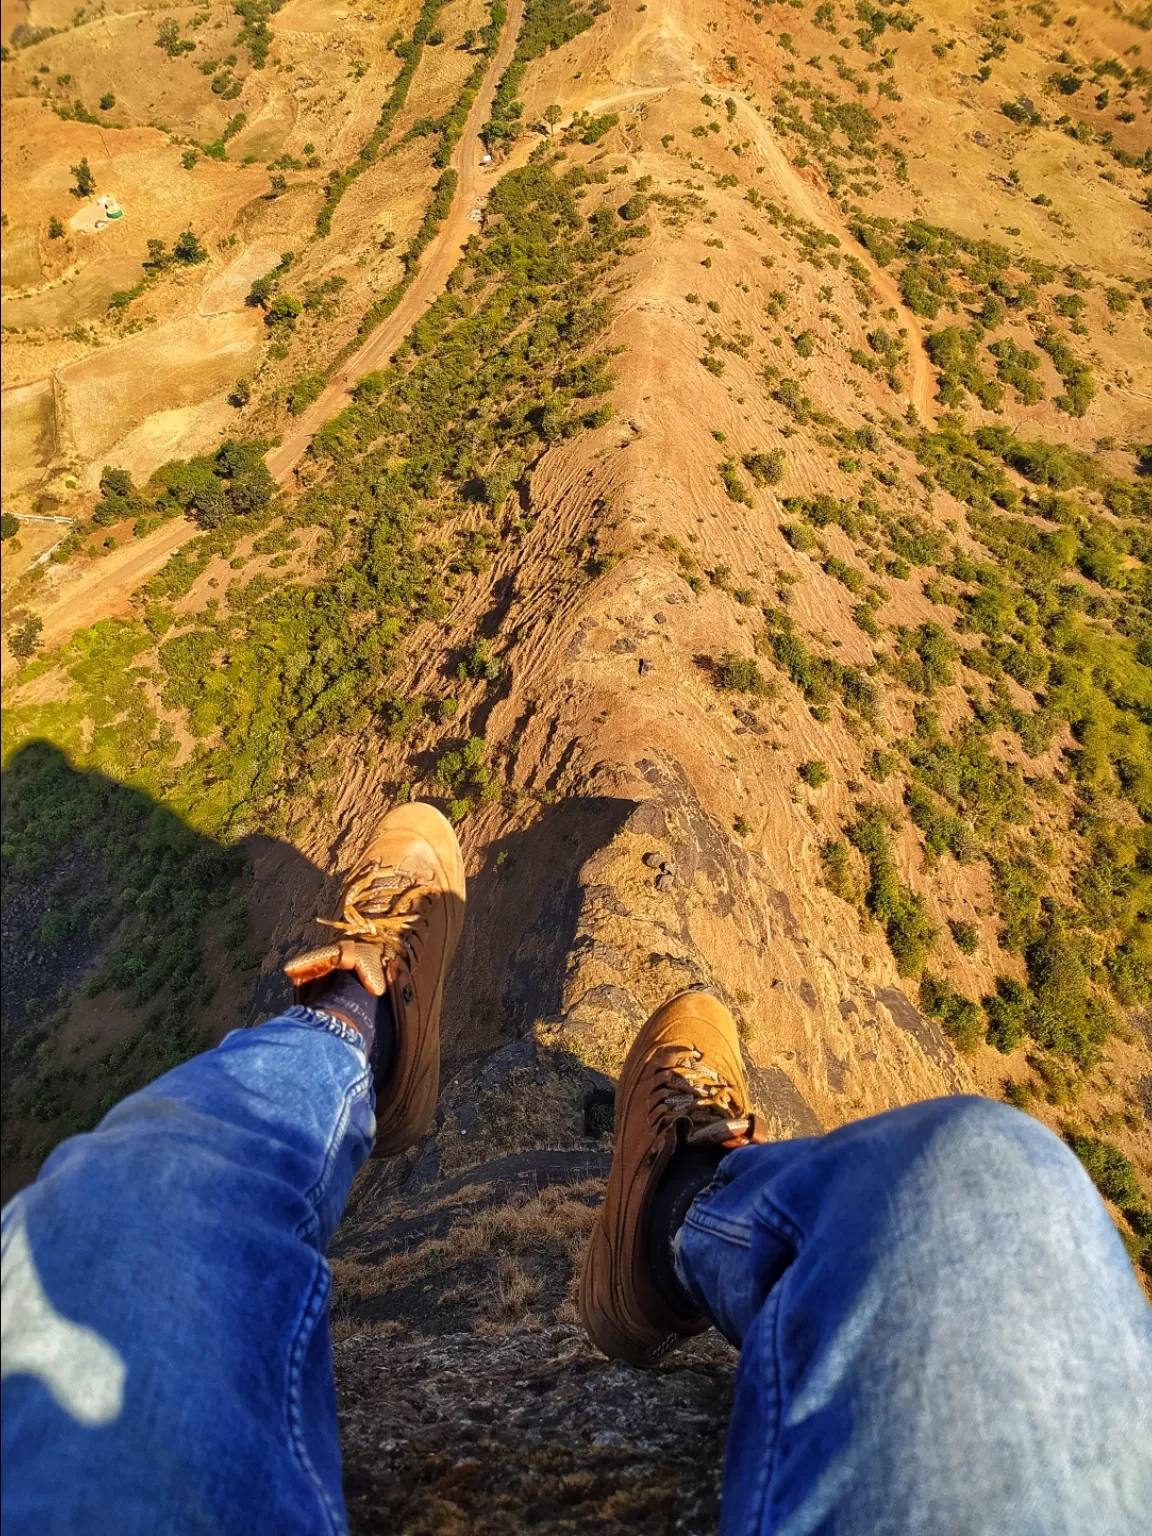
(755, 1524)
(719, 1226)
(773, 1217)
(316, 1018)
(781, 1224)
(313, 1309)
(315, 1192)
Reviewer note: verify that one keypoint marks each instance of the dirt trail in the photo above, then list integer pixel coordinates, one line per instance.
(818, 209)
(433, 273)
(474, 182)
(102, 589)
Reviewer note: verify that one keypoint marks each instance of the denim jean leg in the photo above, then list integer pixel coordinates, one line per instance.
(940, 1332)
(167, 1362)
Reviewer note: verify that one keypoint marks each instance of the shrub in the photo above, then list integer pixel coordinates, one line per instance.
(739, 674)
(798, 536)
(959, 1015)
(1007, 1012)
(814, 773)
(25, 641)
(839, 877)
(765, 468)
(188, 250)
(304, 391)
(882, 765)
(966, 936)
(734, 487)
(283, 310)
(1079, 380)
(84, 179)
(899, 909)
(478, 662)
(1111, 1172)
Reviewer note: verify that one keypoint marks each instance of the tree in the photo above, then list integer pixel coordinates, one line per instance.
(55, 228)
(107, 102)
(119, 498)
(25, 641)
(552, 116)
(168, 37)
(277, 185)
(284, 309)
(188, 249)
(84, 179)
(9, 526)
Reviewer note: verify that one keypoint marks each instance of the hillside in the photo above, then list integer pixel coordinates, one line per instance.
(730, 501)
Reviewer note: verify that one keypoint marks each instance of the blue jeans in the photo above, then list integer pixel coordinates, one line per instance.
(939, 1328)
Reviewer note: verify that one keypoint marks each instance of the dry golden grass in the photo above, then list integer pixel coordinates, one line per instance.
(545, 1230)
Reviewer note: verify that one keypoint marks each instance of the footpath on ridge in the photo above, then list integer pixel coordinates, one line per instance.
(432, 275)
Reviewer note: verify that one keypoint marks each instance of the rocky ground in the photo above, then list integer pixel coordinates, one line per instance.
(470, 1399)
(529, 1429)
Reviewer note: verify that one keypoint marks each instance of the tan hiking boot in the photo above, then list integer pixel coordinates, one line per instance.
(403, 907)
(683, 1080)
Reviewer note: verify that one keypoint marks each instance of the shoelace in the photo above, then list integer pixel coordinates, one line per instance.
(370, 909)
(381, 911)
(698, 1093)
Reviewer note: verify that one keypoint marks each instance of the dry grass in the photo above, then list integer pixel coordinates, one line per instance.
(523, 1239)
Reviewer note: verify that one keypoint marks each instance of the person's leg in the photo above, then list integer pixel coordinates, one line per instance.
(940, 1331)
(939, 1327)
(166, 1356)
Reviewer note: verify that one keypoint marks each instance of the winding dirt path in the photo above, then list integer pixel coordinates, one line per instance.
(72, 598)
(435, 268)
(444, 252)
(819, 210)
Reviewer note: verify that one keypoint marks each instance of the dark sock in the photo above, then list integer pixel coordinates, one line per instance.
(342, 993)
(691, 1168)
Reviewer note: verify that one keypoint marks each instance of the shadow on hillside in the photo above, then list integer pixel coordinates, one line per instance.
(103, 881)
(91, 863)
(129, 941)
(523, 911)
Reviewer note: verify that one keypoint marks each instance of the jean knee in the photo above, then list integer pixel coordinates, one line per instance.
(981, 1149)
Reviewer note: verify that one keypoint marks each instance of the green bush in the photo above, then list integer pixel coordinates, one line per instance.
(283, 310)
(24, 642)
(304, 391)
(900, 910)
(765, 468)
(958, 1014)
(1007, 1014)
(739, 674)
(966, 936)
(734, 487)
(1111, 1172)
